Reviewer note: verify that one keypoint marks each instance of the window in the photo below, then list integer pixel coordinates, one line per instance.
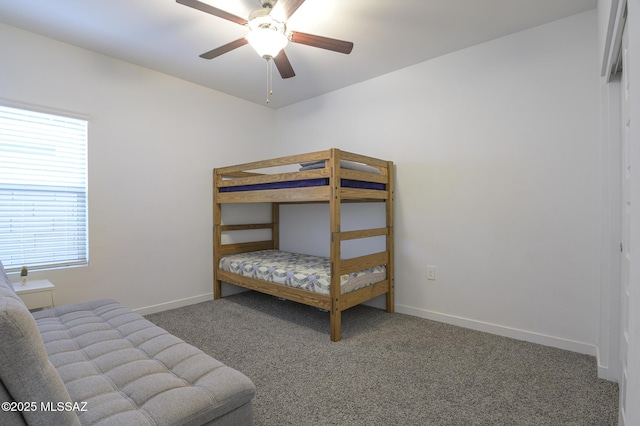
(43, 190)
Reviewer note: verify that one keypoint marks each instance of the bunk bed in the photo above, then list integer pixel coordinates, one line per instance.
(334, 283)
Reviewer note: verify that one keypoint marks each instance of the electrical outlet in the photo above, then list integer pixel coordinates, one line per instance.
(431, 273)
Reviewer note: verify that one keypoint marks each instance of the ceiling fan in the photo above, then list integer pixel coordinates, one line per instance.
(269, 35)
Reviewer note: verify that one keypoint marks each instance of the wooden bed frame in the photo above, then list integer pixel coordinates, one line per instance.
(334, 195)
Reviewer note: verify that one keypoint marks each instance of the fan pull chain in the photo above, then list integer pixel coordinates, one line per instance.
(269, 78)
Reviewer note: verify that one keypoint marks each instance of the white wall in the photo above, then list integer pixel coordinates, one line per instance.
(497, 163)
(502, 136)
(153, 142)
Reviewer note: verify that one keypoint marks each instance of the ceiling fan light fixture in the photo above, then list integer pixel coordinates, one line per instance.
(267, 42)
(268, 36)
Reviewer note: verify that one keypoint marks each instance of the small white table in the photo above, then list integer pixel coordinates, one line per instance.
(36, 294)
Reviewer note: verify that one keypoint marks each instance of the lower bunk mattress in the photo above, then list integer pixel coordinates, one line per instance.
(312, 273)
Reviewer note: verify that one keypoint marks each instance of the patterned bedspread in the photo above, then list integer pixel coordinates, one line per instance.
(297, 270)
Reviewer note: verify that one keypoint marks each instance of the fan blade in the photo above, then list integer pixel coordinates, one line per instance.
(322, 42)
(224, 49)
(285, 8)
(284, 66)
(213, 11)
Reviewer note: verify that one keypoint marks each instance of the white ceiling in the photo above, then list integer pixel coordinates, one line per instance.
(387, 35)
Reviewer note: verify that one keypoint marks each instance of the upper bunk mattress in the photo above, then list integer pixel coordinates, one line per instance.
(345, 183)
(312, 273)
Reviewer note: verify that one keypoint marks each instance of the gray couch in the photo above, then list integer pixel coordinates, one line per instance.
(99, 363)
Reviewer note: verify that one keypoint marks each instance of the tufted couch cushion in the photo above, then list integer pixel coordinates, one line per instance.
(130, 371)
(127, 370)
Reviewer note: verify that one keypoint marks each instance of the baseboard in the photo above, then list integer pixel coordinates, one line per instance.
(603, 370)
(606, 372)
(146, 310)
(514, 333)
(227, 290)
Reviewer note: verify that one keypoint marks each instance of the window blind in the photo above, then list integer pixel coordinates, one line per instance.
(43, 190)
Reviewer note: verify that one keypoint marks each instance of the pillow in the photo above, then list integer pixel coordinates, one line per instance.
(351, 165)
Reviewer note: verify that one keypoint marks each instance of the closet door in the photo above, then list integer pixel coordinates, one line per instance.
(626, 229)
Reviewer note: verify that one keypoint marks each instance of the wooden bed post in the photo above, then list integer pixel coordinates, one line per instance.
(275, 225)
(389, 203)
(335, 318)
(217, 238)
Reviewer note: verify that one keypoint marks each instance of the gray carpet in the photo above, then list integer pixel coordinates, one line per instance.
(390, 368)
